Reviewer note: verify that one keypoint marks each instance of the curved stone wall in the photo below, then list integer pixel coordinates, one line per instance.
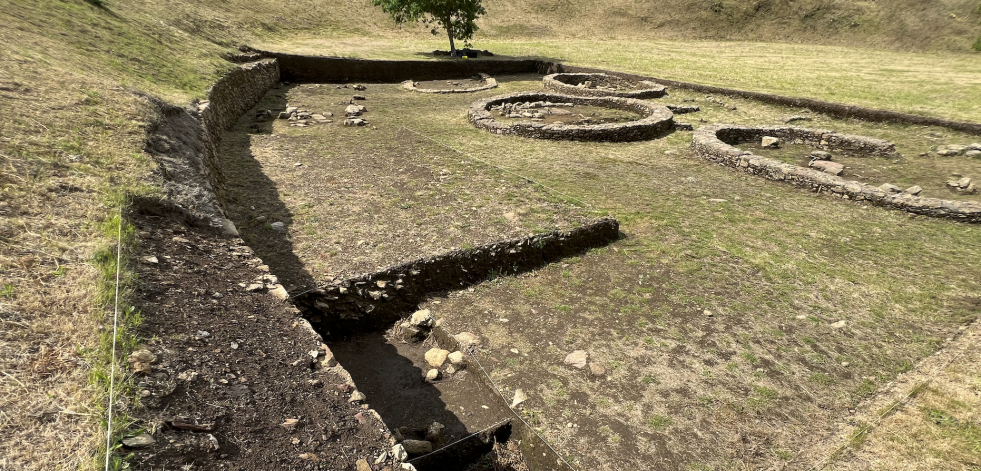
(568, 84)
(489, 83)
(838, 110)
(716, 143)
(185, 143)
(657, 120)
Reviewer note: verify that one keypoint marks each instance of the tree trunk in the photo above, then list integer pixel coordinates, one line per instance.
(449, 32)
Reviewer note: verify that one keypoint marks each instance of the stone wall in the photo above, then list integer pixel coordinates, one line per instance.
(315, 69)
(185, 142)
(657, 120)
(838, 110)
(715, 144)
(378, 300)
(566, 84)
(489, 83)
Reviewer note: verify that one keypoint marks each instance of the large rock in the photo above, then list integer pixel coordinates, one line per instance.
(826, 166)
(890, 188)
(436, 357)
(354, 110)
(417, 447)
(914, 190)
(467, 340)
(577, 359)
(820, 155)
(433, 375)
(399, 453)
(423, 319)
(769, 142)
(457, 359)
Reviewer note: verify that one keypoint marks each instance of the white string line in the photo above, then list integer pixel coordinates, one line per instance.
(458, 441)
(901, 403)
(494, 385)
(550, 189)
(115, 326)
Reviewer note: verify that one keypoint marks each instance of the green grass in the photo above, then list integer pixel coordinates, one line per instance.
(933, 84)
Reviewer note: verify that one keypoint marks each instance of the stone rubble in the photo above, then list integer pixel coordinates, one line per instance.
(717, 143)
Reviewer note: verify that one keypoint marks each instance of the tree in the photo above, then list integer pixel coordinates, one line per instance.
(457, 17)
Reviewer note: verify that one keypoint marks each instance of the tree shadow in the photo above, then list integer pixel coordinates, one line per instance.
(253, 201)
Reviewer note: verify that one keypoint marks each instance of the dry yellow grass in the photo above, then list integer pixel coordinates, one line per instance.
(929, 420)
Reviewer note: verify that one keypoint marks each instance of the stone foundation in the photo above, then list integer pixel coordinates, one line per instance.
(489, 83)
(716, 143)
(657, 120)
(568, 84)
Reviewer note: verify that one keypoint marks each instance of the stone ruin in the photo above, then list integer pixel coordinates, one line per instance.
(602, 85)
(487, 81)
(655, 121)
(717, 144)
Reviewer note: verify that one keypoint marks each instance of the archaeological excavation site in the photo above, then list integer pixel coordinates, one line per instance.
(366, 282)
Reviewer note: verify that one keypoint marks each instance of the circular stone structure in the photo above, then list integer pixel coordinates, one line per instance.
(655, 120)
(488, 81)
(717, 144)
(600, 85)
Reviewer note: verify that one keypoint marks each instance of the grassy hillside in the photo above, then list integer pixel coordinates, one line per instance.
(896, 24)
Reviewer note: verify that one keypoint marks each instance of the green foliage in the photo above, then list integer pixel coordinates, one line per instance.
(977, 44)
(457, 17)
(658, 422)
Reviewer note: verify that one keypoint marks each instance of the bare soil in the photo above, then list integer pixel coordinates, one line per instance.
(354, 200)
(682, 384)
(249, 374)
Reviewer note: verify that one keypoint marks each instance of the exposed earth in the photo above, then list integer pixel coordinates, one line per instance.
(234, 385)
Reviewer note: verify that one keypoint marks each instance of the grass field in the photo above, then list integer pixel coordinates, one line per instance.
(778, 269)
(72, 89)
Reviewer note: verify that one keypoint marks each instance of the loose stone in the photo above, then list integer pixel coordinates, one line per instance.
(769, 142)
(577, 359)
(417, 447)
(519, 397)
(433, 375)
(398, 451)
(434, 433)
(139, 441)
(456, 359)
(436, 357)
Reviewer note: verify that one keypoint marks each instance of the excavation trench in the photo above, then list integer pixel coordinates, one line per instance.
(361, 322)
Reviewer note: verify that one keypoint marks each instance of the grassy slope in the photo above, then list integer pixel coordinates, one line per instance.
(898, 24)
(71, 138)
